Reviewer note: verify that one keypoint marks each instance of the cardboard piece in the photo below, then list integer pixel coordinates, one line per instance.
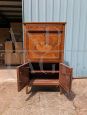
(8, 47)
(18, 47)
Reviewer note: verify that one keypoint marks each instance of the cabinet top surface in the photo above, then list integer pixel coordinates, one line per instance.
(45, 23)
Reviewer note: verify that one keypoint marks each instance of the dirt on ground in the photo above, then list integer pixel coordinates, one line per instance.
(40, 101)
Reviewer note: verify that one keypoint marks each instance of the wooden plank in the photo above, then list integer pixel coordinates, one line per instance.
(9, 6)
(10, 3)
(44, 82)
(44, 71)
(11, 0)
(45, 23)
(10, 9)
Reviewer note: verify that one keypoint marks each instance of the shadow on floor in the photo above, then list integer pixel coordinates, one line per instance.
(34, 90)
(70, 96)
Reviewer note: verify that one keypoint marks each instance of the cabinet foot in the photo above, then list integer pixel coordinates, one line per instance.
(27, 89)
(61, 91)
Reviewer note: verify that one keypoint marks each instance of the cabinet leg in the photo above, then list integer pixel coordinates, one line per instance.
(27, 89)
(61, 91)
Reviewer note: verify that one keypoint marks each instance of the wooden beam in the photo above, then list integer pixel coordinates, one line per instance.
(11, 17)
(11, 0)
(10, 9)
(12, 13)
(11, 3)
(9, 6)
(11, 20)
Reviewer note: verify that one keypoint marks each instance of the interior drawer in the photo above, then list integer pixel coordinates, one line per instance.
(35, 27)
(54, 28)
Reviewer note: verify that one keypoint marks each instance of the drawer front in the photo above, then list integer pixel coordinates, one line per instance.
(44, 27)
(54, 28)
(35, 27)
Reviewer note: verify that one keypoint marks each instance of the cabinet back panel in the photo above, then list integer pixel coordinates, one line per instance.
(44, 66)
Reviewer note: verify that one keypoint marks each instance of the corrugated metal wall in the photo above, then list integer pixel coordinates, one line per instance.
(74, 12)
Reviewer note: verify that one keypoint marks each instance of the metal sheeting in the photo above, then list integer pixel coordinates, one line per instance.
(74, 12)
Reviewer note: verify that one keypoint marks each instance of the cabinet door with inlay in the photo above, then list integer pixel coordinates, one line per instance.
(22, 76)
(65, 77)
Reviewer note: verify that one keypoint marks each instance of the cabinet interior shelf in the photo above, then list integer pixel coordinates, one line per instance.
(44, 71)
(41, 82)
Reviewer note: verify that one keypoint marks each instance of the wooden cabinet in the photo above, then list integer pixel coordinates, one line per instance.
(44, 57)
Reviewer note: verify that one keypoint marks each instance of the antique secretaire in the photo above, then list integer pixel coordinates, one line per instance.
(44, 57)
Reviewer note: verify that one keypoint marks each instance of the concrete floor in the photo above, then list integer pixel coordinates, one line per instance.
(40, 102)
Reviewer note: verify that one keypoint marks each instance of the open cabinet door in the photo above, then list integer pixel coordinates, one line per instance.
(65, 78)
(22, 76)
